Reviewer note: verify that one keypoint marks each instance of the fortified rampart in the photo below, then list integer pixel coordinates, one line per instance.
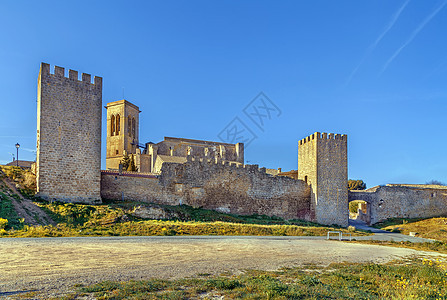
(198, 173)
(323, 164)
(403, 201)
(68, 136)
(225, 187)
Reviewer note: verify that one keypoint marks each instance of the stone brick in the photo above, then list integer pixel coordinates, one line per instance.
(68, 136)
(323, 164)
(226, 188)
(403, 201)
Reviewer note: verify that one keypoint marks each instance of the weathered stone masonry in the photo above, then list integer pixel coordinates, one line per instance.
(323, 164)
(210, 175)
(194, 172)
(223, 187)
(403, 201)
(68, 136)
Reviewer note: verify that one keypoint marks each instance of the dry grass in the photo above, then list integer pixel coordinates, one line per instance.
(433, 228)
(167, 228)
(110, 220)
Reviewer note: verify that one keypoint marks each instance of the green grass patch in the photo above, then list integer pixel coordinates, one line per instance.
(7, 212)
(189, 213)
(404, 279)
(113, 219)
(165, 228)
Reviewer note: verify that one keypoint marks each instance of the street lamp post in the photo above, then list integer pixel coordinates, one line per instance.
(17, 160)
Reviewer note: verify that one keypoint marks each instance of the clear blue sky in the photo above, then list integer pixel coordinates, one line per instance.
(375, 70)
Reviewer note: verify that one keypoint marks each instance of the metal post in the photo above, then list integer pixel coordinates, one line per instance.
(17, 160)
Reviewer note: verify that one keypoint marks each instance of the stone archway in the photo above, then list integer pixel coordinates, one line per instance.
(363, 211)
(367, 198)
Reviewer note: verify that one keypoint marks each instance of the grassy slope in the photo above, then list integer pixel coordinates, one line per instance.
(7, 209)
(114, 219)
(433, 228)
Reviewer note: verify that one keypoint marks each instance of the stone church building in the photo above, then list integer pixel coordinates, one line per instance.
(123, 138)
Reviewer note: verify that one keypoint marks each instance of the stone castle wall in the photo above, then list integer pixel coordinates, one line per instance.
(68, 136)
(332, 180)
(222, 187)
(135, 186)
(69, 160)
(403, 201)
(322, 163)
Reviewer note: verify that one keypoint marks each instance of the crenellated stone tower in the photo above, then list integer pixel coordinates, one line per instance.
(323, 165)
(68, 159)
(122, 131)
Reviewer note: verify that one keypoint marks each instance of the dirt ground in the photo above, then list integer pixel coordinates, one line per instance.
(51, 266)
(26, 209)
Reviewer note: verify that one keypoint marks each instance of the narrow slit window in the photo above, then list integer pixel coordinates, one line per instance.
(133, 127)
(112, 126)
(129, 125)
(118, 125)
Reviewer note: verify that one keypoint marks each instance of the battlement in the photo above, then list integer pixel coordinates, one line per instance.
(66, 105)
(129, 174)
(323, 136)
(214, 165)
(72, 75)
(197, 172)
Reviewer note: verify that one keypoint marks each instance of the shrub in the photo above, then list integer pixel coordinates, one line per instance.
(3, 223)
(353, 207)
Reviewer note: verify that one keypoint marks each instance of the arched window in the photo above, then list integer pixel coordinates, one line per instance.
(112, 126)
(118, 125)
(129, 125)
(133, 127)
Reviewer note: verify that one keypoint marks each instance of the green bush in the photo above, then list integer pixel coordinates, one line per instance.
(353, 207)
(3, 223)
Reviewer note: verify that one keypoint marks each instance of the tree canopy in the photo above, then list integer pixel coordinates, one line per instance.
(129, 163)
(356, 184)
(435, 182)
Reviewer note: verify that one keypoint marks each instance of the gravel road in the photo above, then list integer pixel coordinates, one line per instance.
(52, 266)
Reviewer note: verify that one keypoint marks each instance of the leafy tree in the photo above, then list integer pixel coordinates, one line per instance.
(125, 162)
(132, 167)
(353, 206)
(128, 163)
(435, 182)
(356, 185)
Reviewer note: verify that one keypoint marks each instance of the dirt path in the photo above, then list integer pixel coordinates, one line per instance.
(52, 266)
(26, 209)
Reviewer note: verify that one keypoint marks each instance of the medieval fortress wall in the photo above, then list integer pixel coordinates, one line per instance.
(223, 187)
(403, 201)
(195, 172)
(323, 164)
(68, 135)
